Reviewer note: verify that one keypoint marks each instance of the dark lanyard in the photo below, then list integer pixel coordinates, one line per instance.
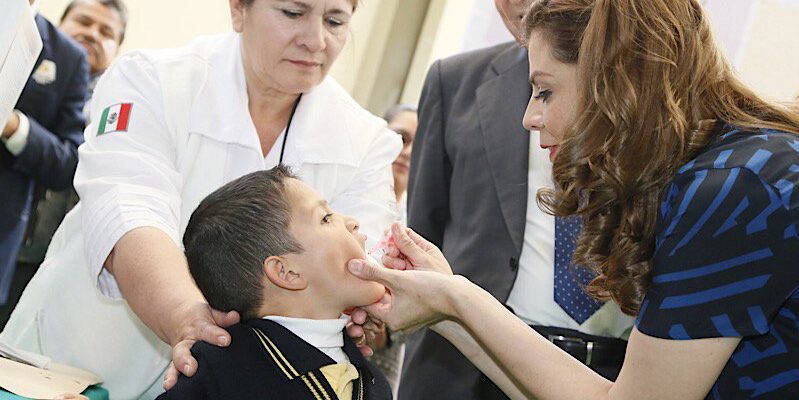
(288, 126)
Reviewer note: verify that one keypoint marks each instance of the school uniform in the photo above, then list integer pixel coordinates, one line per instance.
(266, 360)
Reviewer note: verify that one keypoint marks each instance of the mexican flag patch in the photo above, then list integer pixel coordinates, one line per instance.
(115, 119)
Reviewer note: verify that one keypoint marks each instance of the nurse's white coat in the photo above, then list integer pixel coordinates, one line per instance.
(189, 132)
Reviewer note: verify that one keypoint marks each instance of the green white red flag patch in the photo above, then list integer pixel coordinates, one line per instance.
(115, 118)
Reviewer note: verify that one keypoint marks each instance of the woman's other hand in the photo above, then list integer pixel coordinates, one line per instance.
(201, 322)
(409, 250)
(368, 333)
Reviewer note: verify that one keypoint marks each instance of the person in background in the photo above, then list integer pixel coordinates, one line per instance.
(39, 146)
(403, 119)
(390, 348)
(99, 27)
(475, 171)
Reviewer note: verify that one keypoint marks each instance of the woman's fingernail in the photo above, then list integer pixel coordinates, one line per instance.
(356, 266)
(187, 369)
(223, 341)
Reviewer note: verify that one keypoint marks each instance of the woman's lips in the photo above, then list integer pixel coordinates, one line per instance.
(553, 150)
(305, 64)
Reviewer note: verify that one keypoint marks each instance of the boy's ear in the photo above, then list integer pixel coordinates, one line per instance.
(281, 275)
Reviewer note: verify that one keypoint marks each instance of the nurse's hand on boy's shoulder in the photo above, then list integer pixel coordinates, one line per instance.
(206, 325)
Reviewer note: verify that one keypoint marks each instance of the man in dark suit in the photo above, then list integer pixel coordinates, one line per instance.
(468, 194)
(99, 27)
(40, 141)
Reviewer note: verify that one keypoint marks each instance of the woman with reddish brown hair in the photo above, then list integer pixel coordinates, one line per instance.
(687, 184)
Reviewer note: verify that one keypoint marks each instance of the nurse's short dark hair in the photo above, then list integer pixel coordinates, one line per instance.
(232, 232)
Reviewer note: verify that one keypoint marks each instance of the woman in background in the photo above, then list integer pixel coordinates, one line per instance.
(390, 348)
(403, 119)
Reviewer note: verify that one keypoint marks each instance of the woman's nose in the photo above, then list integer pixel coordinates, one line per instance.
(533, 119)
(406, 151)
(312, 36)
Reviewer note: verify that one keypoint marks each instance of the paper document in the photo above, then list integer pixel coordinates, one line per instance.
(34, 376)
(20, 45)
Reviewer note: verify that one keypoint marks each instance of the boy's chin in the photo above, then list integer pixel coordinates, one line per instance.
(370, 293)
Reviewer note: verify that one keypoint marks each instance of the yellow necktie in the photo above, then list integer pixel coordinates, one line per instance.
(340, 377)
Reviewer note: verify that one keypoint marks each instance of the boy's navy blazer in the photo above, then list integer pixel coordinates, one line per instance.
(267, 361)
(55, 112)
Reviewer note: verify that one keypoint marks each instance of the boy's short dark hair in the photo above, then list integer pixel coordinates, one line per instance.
(232, 232)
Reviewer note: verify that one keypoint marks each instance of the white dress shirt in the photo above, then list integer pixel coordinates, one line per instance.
(532, 296)
(327, 335)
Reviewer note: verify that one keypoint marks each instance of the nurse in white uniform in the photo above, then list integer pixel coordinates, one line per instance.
(114, 295)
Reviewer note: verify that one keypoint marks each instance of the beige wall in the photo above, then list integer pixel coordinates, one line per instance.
(378, 68)
(442, 35)
(770, 59)
(161, 23)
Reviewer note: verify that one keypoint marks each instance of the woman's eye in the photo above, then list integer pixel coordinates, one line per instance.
(543, 95)
(335, 22)
(292, 14)
(326, 218)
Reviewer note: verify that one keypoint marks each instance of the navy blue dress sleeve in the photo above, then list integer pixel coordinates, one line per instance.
(725, 259)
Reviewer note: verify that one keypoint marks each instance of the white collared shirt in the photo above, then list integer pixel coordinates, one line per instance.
(327, 335)
(532, 297)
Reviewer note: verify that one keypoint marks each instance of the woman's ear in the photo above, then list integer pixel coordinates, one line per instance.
(281, 275)
(237, 10)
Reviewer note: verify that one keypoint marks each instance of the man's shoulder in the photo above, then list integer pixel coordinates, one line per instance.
(476, 59)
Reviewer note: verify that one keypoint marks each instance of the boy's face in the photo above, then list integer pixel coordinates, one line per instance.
(329, 241)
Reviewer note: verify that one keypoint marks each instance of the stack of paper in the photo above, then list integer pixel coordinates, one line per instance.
(34, 376)
(20, 45)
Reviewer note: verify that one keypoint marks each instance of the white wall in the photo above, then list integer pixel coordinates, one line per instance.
(770, 55)
(161, 23)
(731, 21)
(485, 27)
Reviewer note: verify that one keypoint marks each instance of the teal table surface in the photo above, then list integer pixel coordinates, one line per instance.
(93, 393)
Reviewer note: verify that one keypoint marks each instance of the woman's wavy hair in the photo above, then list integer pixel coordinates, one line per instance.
(652, 84)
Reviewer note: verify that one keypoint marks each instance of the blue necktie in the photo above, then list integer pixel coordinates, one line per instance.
(569, 282)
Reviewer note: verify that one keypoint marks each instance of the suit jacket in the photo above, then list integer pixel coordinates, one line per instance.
(55, 112)
(467, 193)
(267, 361)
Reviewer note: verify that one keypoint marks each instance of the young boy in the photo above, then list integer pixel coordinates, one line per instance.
(268, 246)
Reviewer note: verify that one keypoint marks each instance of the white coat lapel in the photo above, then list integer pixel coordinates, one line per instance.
(219, 109)
(322, 123)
